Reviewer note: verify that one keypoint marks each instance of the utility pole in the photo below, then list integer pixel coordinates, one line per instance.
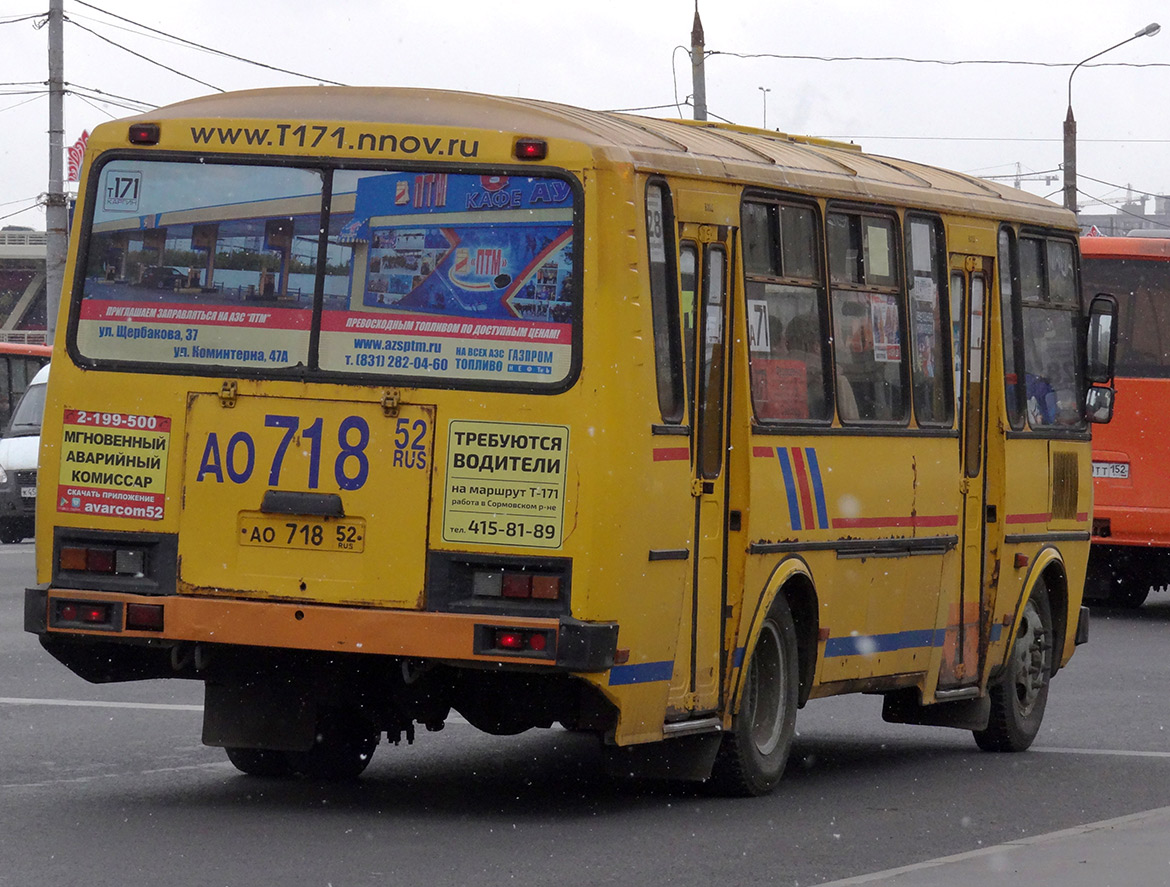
(56, 215)
(698, 75)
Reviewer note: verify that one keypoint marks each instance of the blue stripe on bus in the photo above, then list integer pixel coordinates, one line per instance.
(642, 673)
(737, 656)
(814, 470)
(790, 485)
(860, 645)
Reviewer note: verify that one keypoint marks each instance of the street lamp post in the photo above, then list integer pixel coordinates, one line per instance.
(1070, 122)
(765, 92)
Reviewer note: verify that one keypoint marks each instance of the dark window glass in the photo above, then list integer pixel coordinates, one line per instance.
(928, 328)
(664, 303)
(1014, 392)
(1142, 289)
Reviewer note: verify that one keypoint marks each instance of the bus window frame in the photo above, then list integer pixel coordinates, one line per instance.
(325, 166)
(898, 290)
(943, 278)
(1081, 430)
(778, 200)
(665, 311)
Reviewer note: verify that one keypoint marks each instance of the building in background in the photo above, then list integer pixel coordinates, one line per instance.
(22, 285)
(1131, 216)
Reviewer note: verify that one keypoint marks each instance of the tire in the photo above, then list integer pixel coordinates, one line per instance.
(260, 762)
(1121, 575)
(343, 747)
(754, 751)
(1020, 693)
(11, 532)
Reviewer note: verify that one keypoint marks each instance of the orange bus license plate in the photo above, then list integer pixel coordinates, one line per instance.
(302, 532)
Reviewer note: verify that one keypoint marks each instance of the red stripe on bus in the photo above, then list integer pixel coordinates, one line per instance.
(806, 505)
(920, 520)
(764, 452)
(671, 454)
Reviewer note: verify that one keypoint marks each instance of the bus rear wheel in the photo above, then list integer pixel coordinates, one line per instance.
(754, 752)
(1020, 694)
(260, 762)
(342, 749)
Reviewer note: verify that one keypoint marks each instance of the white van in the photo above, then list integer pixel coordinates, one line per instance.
(19, 452)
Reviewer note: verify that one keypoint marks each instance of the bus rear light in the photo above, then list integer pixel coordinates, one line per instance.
(84, 613)
(93, 559)
(534, 643)
(510, 640)
(144, 617)
(517, 585)
(546, 588)
(531, 149)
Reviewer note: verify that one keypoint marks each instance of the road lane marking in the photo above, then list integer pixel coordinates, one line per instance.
(75, 780)
(155, 706)
(890, 876)
(1107, 752)
(96, 703)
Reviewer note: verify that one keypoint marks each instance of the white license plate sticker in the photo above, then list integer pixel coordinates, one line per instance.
(28, 492)
(1119, 470)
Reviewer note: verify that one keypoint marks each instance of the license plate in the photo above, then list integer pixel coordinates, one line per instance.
(302, 532)
(1119, 470)
(28, 492)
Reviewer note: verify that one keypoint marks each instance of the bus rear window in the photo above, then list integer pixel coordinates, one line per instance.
(419, 276)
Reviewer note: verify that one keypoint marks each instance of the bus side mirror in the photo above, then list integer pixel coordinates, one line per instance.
(1101, 345)
(1099, 404)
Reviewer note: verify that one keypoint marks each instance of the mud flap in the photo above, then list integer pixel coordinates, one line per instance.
(258, 716)
(905, 707)
(686, 758)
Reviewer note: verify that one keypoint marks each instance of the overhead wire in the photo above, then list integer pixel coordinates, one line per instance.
(205, 48)
(143, 57)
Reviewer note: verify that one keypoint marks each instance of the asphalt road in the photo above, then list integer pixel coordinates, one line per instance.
(109, 785)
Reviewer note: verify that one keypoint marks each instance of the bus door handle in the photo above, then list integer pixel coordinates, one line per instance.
(296, 502)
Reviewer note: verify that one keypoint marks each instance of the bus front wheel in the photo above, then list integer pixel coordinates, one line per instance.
(1020, 694)
(754, 752)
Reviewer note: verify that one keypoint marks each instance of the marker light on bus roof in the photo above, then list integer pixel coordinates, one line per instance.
(145, 134)
(531, 149)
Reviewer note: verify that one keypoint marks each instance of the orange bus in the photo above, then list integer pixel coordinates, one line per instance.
(1131, 514)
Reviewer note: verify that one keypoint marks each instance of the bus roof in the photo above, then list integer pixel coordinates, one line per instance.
(1126, 247)
(751, 156)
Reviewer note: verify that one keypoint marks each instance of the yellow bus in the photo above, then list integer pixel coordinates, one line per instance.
(372, 406)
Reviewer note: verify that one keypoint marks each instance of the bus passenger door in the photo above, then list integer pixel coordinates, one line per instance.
(705, 263)
(969, 286)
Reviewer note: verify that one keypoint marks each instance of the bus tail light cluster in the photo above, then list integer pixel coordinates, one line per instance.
(531, 643)
(106, 616)
(102, 559)
(516, 585)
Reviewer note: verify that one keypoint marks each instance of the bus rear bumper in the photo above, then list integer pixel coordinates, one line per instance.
(101, 621)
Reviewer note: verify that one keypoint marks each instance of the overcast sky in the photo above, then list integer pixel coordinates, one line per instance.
(985, 119)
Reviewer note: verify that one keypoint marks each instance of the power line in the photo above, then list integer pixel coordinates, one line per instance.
(25, 18)
(945, 62)
(143, 57)
(100, 95)
(210, 49)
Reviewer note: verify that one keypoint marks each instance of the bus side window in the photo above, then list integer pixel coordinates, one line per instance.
(867, 318)
(664, 302)
(1009, 317)
(1051, 319)
(926, 278)
(785, 331)
(688, 266)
